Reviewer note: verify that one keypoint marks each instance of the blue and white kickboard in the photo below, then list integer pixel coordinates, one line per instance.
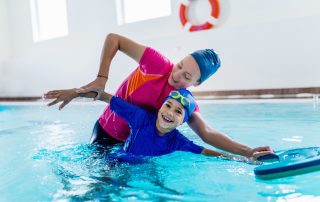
(288, 162)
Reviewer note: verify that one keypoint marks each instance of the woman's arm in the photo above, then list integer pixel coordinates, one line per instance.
(221, 141)
(209, 152)
(112, 44)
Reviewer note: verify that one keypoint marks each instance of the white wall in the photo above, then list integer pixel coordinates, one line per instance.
(262, 44)
(4, 32)
(5, 46)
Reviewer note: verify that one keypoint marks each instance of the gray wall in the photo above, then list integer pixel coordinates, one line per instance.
(262, 44)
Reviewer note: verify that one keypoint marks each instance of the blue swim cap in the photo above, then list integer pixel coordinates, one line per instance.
(185, 98)
(208, 61)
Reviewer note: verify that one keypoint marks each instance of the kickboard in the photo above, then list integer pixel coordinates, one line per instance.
(288, 163)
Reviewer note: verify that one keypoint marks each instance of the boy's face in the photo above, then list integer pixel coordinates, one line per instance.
(184, 74)
(170, 115)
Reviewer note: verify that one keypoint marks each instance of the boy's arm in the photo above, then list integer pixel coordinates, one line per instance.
(66, 95)
(131, 113)
(184, 144)
(221, 141)
(105, 97)
(209, 152)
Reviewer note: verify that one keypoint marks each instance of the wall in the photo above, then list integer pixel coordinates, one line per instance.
(5, 45)
(4, 32)
(262, 44)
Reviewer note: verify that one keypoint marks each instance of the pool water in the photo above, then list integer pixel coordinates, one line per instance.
(45, 157)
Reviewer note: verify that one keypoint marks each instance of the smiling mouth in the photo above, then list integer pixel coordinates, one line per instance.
(166, 119)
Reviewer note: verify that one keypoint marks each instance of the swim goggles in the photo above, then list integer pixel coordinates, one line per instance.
(183, 100)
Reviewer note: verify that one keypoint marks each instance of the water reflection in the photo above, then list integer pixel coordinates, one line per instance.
(86, 175)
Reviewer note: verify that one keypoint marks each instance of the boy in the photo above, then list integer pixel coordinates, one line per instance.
(155, 134)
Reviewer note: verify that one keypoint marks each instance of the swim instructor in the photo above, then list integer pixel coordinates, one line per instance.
(147, 86)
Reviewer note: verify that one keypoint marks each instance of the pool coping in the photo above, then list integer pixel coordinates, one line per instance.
(276, 95)
(222, 101)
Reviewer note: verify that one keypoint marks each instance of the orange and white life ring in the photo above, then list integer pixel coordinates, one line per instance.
(215, 12)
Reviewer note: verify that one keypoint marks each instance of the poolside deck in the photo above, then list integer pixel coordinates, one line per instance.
(277, 93)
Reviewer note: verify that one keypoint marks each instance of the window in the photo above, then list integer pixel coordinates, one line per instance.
(49, 19)
(137, 10)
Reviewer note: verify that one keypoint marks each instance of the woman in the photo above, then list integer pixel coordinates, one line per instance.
(147, 86)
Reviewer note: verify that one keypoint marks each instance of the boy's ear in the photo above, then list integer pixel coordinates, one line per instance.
(182, 122)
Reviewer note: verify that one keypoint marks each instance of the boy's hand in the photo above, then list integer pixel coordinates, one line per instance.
(64, 96)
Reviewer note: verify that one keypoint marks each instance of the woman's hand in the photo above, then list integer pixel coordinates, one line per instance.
(64, 96)
(97, 86)
(260, 151)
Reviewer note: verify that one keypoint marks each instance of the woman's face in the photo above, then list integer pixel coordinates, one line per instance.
(185, 74)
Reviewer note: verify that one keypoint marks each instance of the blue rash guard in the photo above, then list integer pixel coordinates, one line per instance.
(144, 138)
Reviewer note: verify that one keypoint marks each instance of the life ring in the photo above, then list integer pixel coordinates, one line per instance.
(215, 12)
